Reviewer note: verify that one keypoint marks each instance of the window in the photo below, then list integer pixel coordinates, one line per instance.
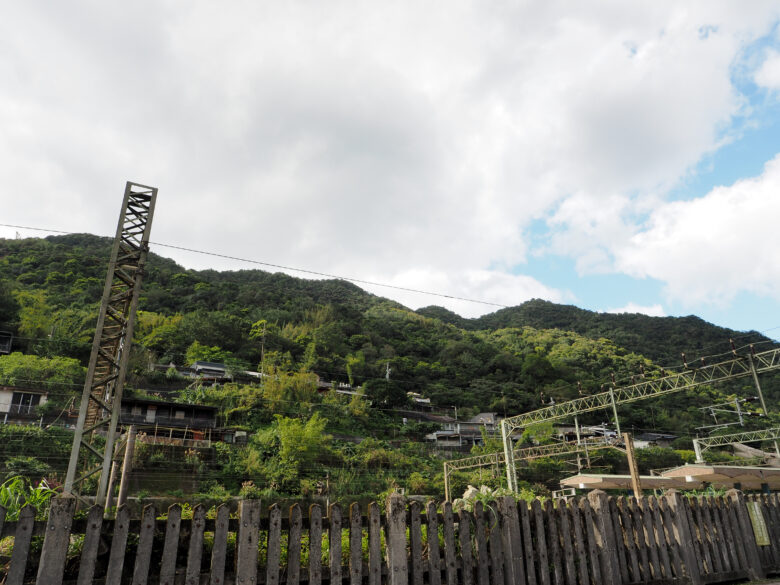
(24, 402)
(179, 414)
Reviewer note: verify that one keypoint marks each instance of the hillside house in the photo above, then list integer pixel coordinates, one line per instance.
(20, 404)
(171, 420)
(464, 433)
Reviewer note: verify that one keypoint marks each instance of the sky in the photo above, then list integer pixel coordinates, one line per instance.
(618, 156)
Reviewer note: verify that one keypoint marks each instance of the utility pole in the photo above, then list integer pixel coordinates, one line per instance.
(101, 398)
(127, 467)
(760, 393)
(632, 466)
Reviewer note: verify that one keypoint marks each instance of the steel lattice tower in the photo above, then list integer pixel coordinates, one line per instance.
(101, 399)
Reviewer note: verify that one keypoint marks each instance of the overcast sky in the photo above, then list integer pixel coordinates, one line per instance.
(618, 156)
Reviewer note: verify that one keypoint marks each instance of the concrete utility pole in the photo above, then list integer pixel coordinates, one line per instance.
(127, 467)
(632, 466)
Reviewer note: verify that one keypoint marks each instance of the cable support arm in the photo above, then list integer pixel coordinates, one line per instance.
(700, 445)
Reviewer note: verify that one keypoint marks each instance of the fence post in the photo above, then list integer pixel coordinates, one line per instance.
(684, 536)
(513, 543)
(610, 569)
(248, 534)
(755, 570)
(397, 562)
(55, 545)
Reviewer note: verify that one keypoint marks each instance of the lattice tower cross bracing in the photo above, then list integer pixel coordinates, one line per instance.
(737, 367)
(102, 395)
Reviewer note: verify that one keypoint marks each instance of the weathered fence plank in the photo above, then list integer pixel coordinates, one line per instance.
(246, 541)
(294, 545)
(116, 559)
(89, 549)
(721, 539)
(734, 531)
(620, 545)
(450, 552)
(195, 548)
(754, 568)
(355, 545)
(593, 550)
(480, 538)
(683, 536)
(374, 545)
(434, 554)
(674, 549)
(51, 568)
(660, 535)
(709, 534)
(512, 542)
(143, 554)
(652, 543)
(641, 540)
(579, 544)
(774, 526)
(568, 549)
(274, 548)
(628, 539)
(415, 543)
(335, 518)
(219, 552)
(466, 552)
(398, 567)
(698, 531)
(170, 546)
(541, 543)
(21, 552)
(315, 545)
(528, 547)
(610, 569)
(553, 543)
(496, 547)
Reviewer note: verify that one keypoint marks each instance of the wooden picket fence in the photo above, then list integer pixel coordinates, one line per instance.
(583, 541)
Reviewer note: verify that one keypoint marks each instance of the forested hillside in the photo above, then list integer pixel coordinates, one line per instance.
(510, 361)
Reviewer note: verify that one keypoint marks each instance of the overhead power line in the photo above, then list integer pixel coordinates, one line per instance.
(292, 269)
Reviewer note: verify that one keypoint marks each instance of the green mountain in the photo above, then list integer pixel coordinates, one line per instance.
(510, 361)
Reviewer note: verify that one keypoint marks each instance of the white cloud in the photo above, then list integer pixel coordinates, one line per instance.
(768, 74)
(655, 310)
(388, 140)
(709, 249)
(490, 286)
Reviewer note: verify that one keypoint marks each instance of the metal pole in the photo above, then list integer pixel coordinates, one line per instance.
(614, 409)
(111, 482)
(577, 429)
(697, 450)
(509, 456)
(127, 466)
(447, 482)
(761, 395)
(632, 466)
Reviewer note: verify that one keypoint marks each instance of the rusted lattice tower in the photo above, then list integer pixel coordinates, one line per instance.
(93, 443)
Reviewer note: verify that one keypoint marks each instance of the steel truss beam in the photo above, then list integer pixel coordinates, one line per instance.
(702, 444)
(525, 454)
(102, 395)
(737, 367)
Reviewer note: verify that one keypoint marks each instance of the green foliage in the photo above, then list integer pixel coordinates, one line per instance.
(17, 492)
(31, 371)
(511, 361)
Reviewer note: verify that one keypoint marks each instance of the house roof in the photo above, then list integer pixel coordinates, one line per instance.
(655, 437)
(20, 389)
